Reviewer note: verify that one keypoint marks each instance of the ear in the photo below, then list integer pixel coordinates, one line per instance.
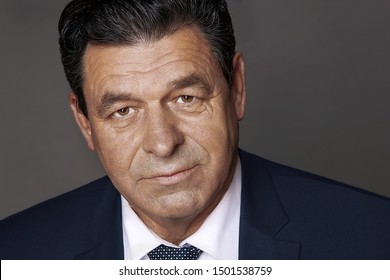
(81, 120)
(238, 88)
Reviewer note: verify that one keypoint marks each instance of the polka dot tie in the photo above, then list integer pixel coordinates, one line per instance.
(163, 252)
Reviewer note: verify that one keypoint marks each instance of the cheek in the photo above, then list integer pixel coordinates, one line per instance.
(216, 131)
(217, 134)
(115, 149)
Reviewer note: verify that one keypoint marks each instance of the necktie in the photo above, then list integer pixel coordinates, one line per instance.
(163, 252)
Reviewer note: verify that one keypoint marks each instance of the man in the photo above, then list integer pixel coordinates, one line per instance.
(158, 91)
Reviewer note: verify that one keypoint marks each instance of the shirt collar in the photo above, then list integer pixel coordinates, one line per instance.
(217, 237)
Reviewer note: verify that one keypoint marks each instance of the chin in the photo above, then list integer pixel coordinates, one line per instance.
(183, 210)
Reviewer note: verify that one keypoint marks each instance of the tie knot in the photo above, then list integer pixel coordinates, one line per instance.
(163, 252)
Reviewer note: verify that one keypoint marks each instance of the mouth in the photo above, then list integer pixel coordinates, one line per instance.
(171, 178)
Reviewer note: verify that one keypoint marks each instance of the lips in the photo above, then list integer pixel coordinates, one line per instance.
(171, 178)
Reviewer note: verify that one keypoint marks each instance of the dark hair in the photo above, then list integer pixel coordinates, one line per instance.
(129, 22)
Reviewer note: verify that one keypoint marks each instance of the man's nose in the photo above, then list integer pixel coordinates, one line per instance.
(162, 133)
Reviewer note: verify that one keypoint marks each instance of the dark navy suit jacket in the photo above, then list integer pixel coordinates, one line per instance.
(285, 214)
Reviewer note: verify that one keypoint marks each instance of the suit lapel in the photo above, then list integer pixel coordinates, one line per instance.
(262, 216)
(105, 228)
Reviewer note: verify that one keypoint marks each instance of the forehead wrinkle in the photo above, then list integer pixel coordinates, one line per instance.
(144, 67)
(189, 72)
(157, 57)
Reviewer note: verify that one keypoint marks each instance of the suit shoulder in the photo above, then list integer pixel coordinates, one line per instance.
(295, 179)
(55, 205)
(61, 219)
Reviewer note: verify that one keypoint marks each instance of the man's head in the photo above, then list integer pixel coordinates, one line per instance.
(163, 103)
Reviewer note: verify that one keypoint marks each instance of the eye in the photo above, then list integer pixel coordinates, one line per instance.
(124, 112)
(185, 99)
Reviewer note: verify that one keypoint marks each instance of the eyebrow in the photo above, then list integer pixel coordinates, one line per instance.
(192, 80)
(110, 98)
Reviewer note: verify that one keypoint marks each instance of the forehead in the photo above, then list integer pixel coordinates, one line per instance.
(185, 50)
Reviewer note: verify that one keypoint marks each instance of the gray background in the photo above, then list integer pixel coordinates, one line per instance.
(318, 95)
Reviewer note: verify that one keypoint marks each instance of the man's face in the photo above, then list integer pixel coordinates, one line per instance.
(163, 122)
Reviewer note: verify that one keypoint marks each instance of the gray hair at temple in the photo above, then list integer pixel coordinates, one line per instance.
(131, 22)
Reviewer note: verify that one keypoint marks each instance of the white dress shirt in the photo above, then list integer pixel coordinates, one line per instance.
(217, 237)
